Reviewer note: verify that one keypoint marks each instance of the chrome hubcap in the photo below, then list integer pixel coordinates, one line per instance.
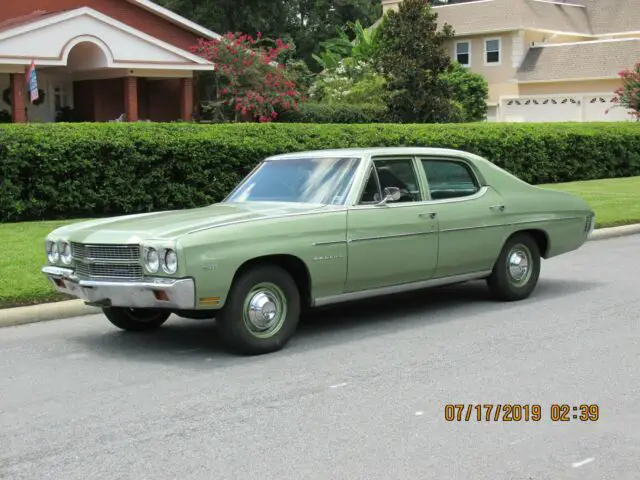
(264, 310)
(519, 265)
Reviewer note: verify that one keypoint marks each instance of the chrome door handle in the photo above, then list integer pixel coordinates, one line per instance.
(429, 215)
(497, 207)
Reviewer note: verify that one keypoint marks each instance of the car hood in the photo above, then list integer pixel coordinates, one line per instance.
(169, 225)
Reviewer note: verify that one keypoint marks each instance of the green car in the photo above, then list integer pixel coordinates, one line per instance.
(315, 228)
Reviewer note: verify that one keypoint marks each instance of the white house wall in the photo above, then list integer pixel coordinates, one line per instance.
(52, 42)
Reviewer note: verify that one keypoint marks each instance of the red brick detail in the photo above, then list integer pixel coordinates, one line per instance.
(120, 10)
(131, 98)
(186, 99)
(18, 113)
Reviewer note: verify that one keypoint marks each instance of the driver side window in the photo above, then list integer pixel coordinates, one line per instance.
(398, 173)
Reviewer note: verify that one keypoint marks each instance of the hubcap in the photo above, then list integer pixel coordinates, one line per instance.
(519, 265)
(265, 309)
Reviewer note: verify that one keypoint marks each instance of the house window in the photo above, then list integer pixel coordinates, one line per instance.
(492, 51)
(463, 53)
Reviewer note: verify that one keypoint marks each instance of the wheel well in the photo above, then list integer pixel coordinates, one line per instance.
(294, 267)
(541, 239)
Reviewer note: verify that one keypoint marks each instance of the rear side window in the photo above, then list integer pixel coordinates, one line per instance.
(449, 179)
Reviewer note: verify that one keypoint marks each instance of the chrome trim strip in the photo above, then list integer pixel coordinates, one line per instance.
(406, 287)
(397, 235)
(128, 294)
(513, 224)
(332, 242)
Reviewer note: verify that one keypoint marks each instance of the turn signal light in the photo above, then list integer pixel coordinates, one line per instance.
(161, 295)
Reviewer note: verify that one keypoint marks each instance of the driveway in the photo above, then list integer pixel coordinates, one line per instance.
(360, 392)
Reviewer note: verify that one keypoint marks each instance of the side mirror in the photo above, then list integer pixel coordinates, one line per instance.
(391, 194)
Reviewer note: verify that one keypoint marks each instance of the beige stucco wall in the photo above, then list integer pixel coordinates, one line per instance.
(500, 77)
(551, 88)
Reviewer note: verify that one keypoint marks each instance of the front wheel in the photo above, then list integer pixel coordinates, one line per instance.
(136, 319)
(262, 311)
(516, 272)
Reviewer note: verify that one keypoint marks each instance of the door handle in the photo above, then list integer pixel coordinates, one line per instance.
(497, 207)
(428, 215)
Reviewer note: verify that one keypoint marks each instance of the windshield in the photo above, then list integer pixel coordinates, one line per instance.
(299, 180)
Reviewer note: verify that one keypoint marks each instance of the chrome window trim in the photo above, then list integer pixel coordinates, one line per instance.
(479, 194)
(469, 167)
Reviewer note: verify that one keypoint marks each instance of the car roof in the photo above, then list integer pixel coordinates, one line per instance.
(365, 152)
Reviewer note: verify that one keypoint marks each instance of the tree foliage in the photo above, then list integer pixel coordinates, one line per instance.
(306, 22)
(250, 78)
(628, 95)
(469, 90)
(413, 57)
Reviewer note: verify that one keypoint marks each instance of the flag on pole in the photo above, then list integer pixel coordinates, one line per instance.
(32, 82)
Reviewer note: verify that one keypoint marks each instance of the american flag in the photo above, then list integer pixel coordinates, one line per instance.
(32, 81)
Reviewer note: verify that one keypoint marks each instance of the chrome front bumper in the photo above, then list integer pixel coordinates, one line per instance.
(177, 294)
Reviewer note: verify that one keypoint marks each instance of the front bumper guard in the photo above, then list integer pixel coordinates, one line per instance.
(154, 292)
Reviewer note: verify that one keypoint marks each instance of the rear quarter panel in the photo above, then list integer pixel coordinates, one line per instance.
(561, 216)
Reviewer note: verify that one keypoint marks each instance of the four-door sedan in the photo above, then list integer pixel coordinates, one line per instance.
(316, 228)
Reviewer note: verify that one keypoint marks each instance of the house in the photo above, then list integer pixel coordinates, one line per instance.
(105, 59)
(545, 60)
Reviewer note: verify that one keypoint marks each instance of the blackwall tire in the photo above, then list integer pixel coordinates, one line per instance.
(517, 270)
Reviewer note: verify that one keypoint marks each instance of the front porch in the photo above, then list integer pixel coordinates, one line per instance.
(92, 68)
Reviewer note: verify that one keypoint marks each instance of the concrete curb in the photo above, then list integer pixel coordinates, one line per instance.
(76, 308)
(613, 232)
(10, 317)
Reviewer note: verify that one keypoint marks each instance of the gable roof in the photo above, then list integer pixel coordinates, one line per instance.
(613, 16)
(503, 15)
(175, 18)
(562, 62)
(53, 36)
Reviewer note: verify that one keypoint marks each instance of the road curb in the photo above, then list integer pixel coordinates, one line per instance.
(613, 232)
(10, 317)
(76, 308)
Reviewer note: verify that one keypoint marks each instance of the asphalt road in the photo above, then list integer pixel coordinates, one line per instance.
(360, 392)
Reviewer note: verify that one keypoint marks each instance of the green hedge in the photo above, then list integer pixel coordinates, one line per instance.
(52, 171)
(324, 113)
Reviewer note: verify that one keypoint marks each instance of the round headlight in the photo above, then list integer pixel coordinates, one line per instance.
(53, 255)
(65, 253)
(152, 260)
(170, 262)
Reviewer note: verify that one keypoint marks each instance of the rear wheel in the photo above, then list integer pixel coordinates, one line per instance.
(136, 319)
(516, 272)
(262, 311)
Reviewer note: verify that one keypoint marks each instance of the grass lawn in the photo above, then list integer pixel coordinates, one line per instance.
(616, 202)
(23, 258)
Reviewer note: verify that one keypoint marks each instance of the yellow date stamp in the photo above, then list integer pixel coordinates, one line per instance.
(520, 412)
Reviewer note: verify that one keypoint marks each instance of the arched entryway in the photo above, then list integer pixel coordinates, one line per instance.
(93, 68)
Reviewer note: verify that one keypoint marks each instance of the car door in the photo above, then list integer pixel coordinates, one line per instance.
(471, 223)
(395, 243)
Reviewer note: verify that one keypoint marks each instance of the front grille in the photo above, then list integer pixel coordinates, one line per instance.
(116, 262)
(104, 253)
(120, 271)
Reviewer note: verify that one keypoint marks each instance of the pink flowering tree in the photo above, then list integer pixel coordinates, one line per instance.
(628, 95)
(250, 76)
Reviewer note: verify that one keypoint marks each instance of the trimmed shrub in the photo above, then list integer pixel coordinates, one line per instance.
(51, 171)
(311, 112)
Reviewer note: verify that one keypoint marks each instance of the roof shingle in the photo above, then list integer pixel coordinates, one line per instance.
(599, 59)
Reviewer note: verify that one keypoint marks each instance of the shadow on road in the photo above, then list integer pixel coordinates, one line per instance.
(198, 340)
